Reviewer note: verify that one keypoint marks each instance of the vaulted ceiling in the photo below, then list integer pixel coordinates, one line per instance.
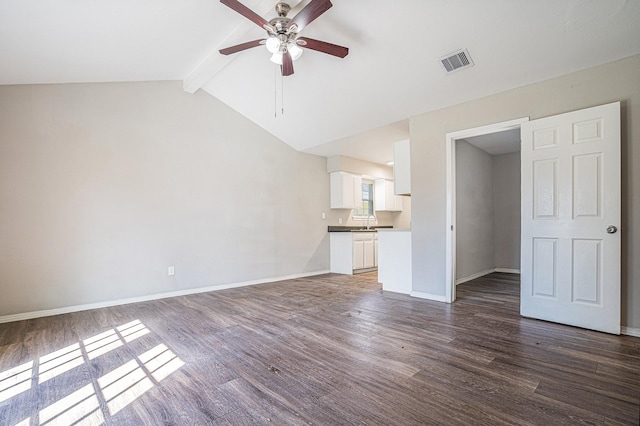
(354, 106)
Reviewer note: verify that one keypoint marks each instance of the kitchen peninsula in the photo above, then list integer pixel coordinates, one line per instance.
(356, 249)
(394, 271)
(353, 249)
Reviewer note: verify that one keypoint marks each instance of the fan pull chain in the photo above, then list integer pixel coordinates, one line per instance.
(275, 92)
(282, 93)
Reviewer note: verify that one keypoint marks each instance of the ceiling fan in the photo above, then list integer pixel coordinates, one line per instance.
(283, 40)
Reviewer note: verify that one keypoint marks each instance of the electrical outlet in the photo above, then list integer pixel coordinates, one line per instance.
(171, 271)
(339, 221)
(324, 215)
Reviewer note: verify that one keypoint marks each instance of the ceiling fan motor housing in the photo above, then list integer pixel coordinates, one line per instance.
(282, 9)
(280, 24)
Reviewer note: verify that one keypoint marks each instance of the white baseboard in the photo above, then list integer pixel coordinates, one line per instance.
(630, 331)
(487, 272)
(507, 270)
(76, 308)
(428, 296)
(474, 276)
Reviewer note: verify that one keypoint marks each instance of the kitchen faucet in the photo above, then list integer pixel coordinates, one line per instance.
(374, 218)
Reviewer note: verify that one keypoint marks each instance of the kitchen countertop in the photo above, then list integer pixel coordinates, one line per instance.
(356, 228)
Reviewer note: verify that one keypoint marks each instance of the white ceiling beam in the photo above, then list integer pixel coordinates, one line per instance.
(215, 62)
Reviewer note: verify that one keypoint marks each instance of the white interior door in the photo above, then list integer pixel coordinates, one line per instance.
(570, 256)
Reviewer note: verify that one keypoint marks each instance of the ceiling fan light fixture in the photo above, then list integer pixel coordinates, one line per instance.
(294, 50)
(273, 44)
(282, 33)
(276, 58)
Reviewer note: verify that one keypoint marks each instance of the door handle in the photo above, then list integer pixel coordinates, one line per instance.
(611, 229)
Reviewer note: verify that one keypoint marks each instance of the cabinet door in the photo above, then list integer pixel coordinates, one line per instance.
(369, 255)
(394, 202)
(379, 195)
(344, 188)
(358, 254)
(402, 167)
(385, 197)
(390, 196)
(398, 203)
(375, 253)
(357, 191)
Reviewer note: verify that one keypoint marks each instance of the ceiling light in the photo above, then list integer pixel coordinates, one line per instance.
(276, 58)
(294, 50)
(282, 33)
(273, 44)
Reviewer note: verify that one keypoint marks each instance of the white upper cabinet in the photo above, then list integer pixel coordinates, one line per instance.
(384, 198)
(402, 167)
(345, 190)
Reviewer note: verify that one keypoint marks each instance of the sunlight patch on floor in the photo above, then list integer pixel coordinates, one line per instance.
(15, 381)
(118, 388)
(124, 385)
(81, 407)
(132, 330)
(58, 362)
(102, 343)
(160, 362)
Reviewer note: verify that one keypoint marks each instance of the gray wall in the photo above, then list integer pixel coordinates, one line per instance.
(103, 186)
(506, 210)
(616, 81)
(474, 210)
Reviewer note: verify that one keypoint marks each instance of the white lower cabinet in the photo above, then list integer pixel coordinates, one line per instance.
(351, 252)
(364, 250)
(369, 254)
(358, 255)
(375, 251)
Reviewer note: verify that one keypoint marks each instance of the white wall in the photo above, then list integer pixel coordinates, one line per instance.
(617, 81)
(474, 210)
(103, 186)
(506, 210)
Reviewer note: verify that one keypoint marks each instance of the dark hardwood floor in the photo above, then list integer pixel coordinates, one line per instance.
(327, 350)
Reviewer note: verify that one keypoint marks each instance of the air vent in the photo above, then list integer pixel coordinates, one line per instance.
(456, 61)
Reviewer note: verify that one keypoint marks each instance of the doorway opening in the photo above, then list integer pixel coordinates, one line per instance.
(471, 203)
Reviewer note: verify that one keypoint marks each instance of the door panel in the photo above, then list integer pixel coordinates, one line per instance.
(587, 268)
(545, 190)
(570, 264)
(587, 180)
(545, 261)
(545, 138)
